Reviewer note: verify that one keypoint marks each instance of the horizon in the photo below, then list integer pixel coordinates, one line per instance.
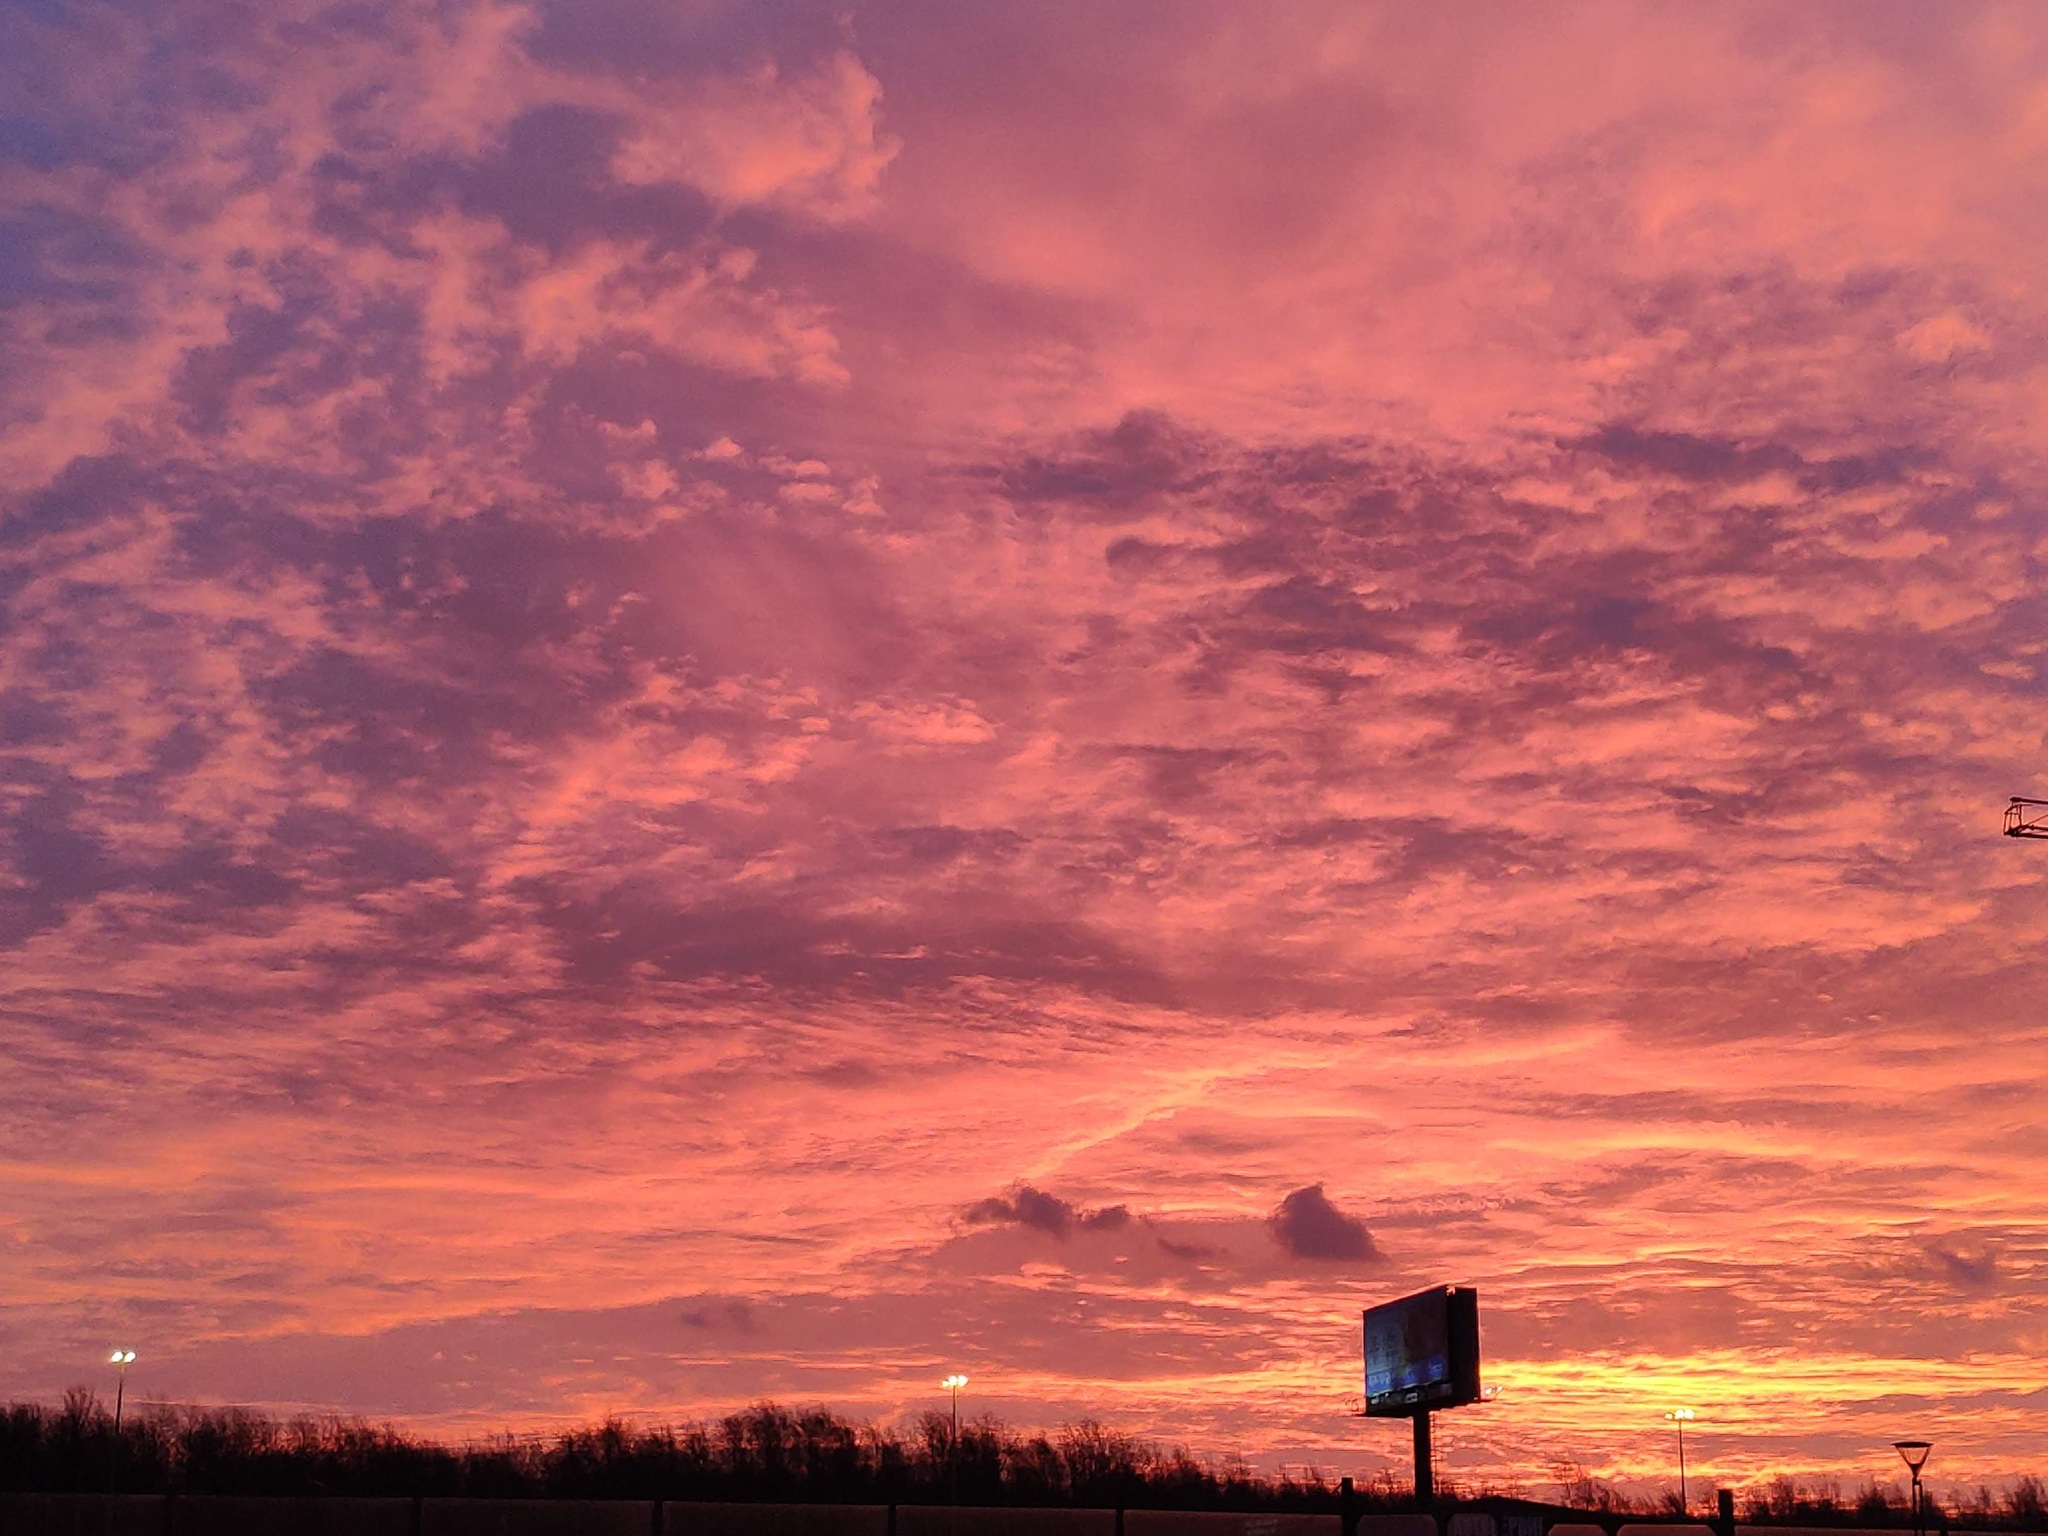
(1787, 1492)
(704, 702)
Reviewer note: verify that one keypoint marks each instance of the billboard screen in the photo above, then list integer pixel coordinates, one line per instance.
(1422, 1352)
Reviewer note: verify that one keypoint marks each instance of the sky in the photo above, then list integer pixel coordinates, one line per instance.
(708, 702)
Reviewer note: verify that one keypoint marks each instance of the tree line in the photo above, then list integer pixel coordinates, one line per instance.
(768, 1452)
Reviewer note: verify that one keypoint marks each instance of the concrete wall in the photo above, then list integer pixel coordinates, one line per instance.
(1396, 1525)
(536, 1517)
(1174, 1522)
(81, 1514)
(201, 1514)
(775, 1520)
(938, 1520)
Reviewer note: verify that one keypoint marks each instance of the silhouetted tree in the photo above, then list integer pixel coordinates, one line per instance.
(766, 1452)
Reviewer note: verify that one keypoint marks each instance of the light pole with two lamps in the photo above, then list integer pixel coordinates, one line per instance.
(1681, 1417)
(1914, 1454)
(953, 1384)
(123, 1358)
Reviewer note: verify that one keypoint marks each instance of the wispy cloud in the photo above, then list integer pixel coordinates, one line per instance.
(764, 702)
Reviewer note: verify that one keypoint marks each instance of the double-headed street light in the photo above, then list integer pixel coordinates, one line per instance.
(123, 1358)
(953, 1384)
(1681, 1417)
(1914, 1454)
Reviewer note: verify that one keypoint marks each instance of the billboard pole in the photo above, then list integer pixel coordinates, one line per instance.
(1422, 1353)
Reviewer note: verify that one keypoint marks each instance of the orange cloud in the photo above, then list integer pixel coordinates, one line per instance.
(698, 707)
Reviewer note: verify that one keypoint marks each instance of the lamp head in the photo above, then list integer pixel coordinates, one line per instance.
(1913, 1453)
(1682, 1415)
(121, 1357)
(954, 1382)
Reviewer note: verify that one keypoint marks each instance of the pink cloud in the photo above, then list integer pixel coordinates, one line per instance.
(680, 692)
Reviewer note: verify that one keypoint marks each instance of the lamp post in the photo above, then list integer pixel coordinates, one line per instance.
(953, 1384)
(1914, 1454)
(1681, 1417)
(123, 1358)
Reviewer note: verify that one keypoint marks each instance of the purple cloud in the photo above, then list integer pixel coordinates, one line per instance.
(643, 650)
(1028, 1207)
(1308, 1226)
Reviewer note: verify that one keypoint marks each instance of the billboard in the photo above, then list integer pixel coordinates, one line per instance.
(1422, 1352)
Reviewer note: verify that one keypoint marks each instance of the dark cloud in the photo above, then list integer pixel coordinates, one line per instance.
(1971, 1273)
(1034, 1208)
(1116, 473)
(730, 1314)
(1689, 455)
(1308, 1226)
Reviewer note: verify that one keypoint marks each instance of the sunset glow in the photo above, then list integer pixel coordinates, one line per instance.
(711, 702)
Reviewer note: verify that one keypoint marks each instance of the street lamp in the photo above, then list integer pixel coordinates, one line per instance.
(1681, 1417)
(953, 1384)
(123, 1358)
(1914, 1454)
